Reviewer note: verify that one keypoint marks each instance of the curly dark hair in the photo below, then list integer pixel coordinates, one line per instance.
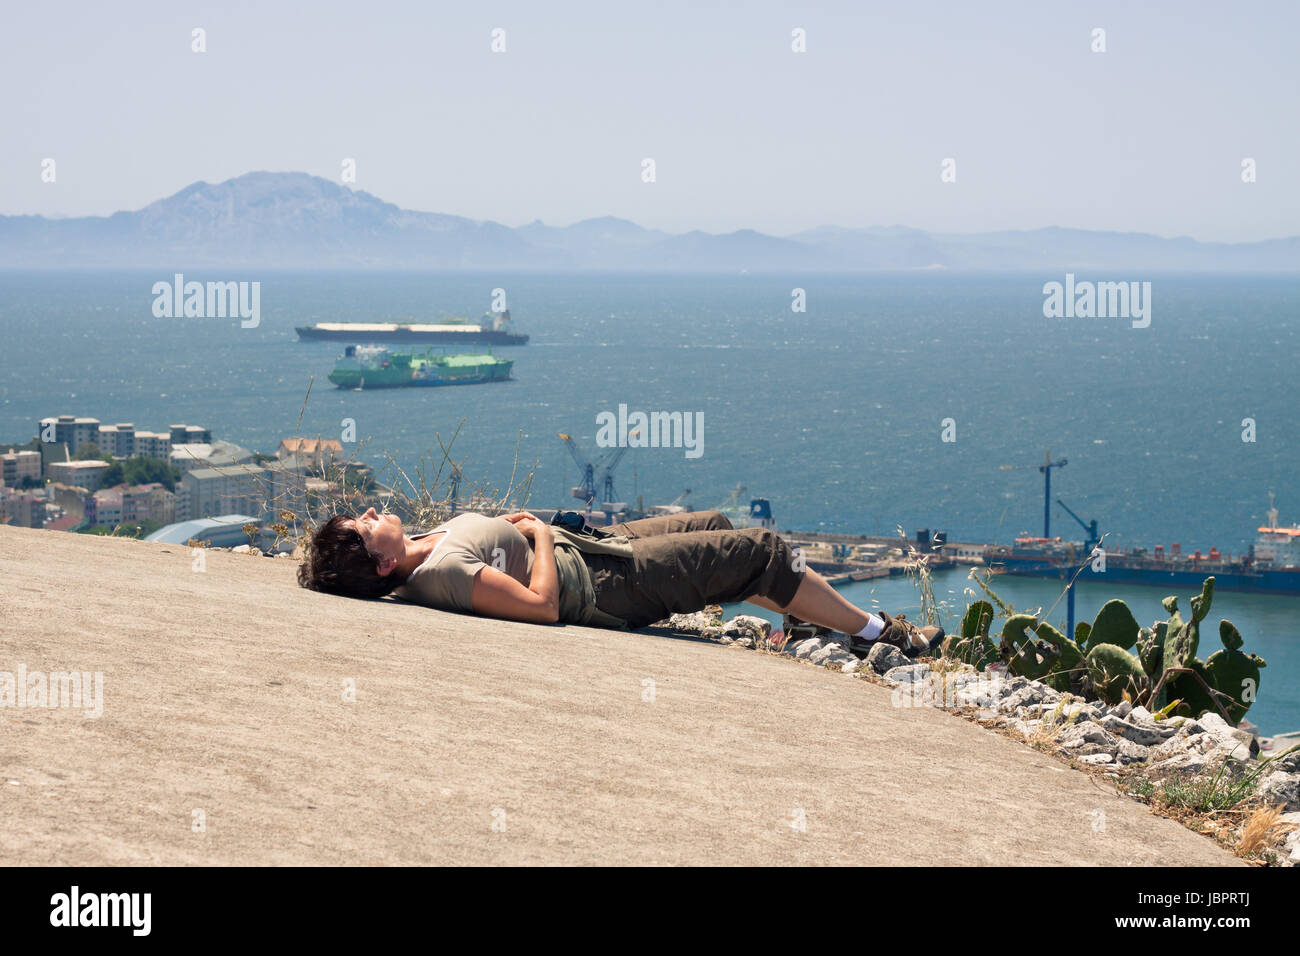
(338, 563)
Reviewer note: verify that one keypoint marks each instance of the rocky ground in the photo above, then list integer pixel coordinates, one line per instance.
(1126, 744)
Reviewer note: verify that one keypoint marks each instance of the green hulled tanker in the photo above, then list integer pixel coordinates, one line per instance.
(373, 366)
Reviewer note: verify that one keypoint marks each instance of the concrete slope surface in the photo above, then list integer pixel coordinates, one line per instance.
(247, 721)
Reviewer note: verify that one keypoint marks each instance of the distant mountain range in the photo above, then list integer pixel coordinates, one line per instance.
(293, 221)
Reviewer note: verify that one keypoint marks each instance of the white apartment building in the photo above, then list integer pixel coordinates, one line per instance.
(82, 474)
(68, 430)
(17, 465)
(205, 492)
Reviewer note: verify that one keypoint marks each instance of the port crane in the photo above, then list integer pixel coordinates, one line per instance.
(1046, 469)
(732, 501)
(674, 506)
(453, 496)
(586, 492)
(1090, 527)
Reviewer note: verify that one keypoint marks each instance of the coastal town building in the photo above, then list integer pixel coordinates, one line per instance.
(22, 509)
(132, 504)
(119, 440)
(317, 454)
(218, 454)
(190, 435)
(204, 492)
(70, 499)
(123, 441)
(83, 474)
(69, 431)
(17, 465)
(153, 445)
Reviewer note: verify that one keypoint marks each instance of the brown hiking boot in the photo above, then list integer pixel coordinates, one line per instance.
(913, 641)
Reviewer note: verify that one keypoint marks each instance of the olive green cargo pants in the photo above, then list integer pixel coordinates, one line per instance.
(683, 562)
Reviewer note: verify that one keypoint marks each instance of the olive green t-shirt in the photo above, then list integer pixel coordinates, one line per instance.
(446, 578)
(471, 541)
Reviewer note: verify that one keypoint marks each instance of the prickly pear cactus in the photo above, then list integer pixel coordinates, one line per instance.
(1113, 671)
(1028, 662)
(1018, 650)
(977, 619)
(1229, 671)
(1229, 635)
(1150, 654)
(972, 645)
(1234, 673)
(1036, 650)
(1201, 603)
(1114, 656)
(1065, 654)
(1181, 641)
(1114, 624)
(1013, 634)
(1196, 700)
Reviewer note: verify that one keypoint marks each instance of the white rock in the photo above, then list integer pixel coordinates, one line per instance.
(1293, 838)
(1122, 709)
(1281, 787)
(1097, 759)
(1032, 693)
(883, 658)
(1085, 734)
(805, 648)
(910, 674)
(694, 621)
(1079, 711)
(747, 625)
(1187, 762)
(1145, 736)
(837, 660)
(823, 654)
(1217, 727)
(1026, 727)
(980, 693)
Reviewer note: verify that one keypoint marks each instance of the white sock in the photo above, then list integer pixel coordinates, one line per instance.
(874, 626)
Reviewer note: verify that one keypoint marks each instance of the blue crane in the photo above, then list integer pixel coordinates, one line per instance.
(1046, 469)
(1090, 527)
(586, 492)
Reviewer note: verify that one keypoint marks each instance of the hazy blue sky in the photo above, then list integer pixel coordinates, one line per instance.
(1148, 136)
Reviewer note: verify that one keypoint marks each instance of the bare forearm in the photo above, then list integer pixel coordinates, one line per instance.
(545, 582)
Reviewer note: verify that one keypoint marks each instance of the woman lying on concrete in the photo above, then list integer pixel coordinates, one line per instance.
(518, 567)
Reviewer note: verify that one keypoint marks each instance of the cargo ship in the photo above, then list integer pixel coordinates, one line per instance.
(373, 366)
(492, 329)
(1271, 566)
